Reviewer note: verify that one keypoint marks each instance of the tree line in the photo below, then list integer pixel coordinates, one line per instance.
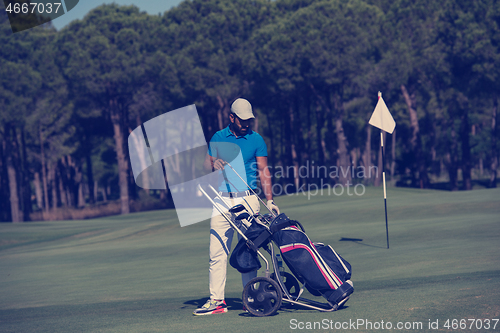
(310, 68)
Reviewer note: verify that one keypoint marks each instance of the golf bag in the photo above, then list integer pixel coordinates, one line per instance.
(245, 259)
(317, 266)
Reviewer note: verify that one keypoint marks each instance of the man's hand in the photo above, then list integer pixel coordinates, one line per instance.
(212, 163)
(219, 164)
(272, 207)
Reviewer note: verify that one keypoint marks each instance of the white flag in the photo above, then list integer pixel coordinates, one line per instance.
(381, 117)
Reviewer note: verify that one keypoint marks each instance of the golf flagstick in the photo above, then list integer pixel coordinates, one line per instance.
(385, 190)
(382, 118)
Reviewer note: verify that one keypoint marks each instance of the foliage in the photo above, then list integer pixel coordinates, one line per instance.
(311, 69)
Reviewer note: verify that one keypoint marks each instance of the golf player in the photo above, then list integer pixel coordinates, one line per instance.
(222, 149)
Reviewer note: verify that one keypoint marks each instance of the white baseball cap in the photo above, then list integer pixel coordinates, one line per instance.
(242, 108)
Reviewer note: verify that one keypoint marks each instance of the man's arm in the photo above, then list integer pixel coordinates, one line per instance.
(265, 177)
(211, 163)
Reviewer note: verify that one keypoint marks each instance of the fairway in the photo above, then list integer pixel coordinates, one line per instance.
(142, 272)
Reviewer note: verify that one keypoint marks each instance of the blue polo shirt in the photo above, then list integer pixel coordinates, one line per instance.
(241, 153)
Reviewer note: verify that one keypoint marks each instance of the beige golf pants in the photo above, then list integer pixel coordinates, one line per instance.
(221, 235)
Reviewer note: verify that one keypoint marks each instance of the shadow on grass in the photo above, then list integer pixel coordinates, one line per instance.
(248, 314)
(235, 304)
(357, 241)
(290, 308)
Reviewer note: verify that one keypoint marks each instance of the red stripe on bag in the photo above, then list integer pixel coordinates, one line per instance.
(328, 268)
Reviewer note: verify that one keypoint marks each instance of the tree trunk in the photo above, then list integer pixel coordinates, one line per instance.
(81, 197)
(293, 148)
(393, 153)
(12, 176)
(494, 149)
(71, 182)
(452, 159)
(60, 183)
(466, 155)
(44, 171)
(320, 141)
(415, 141)
(298, 132)
(18, 165)
(308, 145)
(96, 190)
(283, 155)
(90, 178)
(120, 156)
(345, 172)
(38, 191)
(4, 183)
(25, 182)
(367, 158)
(270, 130)
(355, 158)
(320, 122)
(67, 180)
(53, 186)
(220, 111)
(78, 187)
(104, 196)
(14, 197)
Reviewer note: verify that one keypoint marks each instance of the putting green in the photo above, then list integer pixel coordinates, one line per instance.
(144, 273)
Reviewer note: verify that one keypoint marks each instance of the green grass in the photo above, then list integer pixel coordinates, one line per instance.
(144, 273)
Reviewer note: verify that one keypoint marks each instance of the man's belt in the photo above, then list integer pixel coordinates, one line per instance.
(235, 194)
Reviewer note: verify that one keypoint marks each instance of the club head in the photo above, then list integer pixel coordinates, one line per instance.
(243, 216)
(236, 209)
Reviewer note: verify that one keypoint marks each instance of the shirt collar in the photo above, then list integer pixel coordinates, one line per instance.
(228, 133)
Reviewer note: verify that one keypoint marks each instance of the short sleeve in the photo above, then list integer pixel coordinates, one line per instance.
(261, 147)
(212, 147)
(210, 151)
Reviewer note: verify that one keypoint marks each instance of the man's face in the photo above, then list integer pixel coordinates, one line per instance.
(239, 126)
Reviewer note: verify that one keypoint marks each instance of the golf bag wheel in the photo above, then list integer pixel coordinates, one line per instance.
(262, 296)
(290, 282)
